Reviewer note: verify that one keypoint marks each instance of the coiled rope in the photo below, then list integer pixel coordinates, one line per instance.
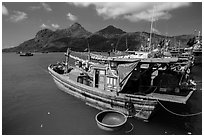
(182, 115)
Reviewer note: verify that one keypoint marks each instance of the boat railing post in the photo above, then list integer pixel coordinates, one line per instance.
(118, 86)
(67, 60)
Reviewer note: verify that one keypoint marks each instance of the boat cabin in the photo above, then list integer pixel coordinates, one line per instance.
(106, 77)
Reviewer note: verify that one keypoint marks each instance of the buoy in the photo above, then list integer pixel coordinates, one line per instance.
(48, 113)
(189, 133)
(41, 125)
(146, 121)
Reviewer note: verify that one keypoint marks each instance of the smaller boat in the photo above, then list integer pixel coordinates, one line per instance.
(26, 54)
(196, 47)
(110, 120)
(44, 51)
(197, 51)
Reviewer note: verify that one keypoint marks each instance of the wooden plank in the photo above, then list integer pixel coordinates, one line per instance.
(171, 98)
(159, 60)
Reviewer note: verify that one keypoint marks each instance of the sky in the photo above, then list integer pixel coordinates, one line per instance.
(22, 20)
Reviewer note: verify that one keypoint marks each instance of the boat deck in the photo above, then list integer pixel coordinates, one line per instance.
(73, 75)
(171, 98)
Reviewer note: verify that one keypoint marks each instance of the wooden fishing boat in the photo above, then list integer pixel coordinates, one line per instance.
(197, 52)
(196, 46)
(130, 86)
(26, 54)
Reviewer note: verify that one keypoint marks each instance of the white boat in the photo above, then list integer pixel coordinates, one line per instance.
(130, 86)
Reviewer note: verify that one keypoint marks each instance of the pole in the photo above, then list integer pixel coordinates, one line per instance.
(67, 60)
(150, 39)
(89, 56)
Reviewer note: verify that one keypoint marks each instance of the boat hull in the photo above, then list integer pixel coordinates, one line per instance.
(142, 107)
(197, 58)
(26, 54)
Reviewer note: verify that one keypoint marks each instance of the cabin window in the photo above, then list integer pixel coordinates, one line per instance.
(101, 79)
(102, 72)
(114, 81)
(144, 66)
(111, 82)
(108, 80)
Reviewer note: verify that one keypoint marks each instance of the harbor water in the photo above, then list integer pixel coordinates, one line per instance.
(33, 105)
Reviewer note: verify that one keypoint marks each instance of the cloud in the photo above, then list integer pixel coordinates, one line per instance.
(55, 26)
(42, 5)
(44, 26)
(35, 7)
(46, 6)
(52, 26)
(71, 17)
(4, 10)
(18, 16)
(134, 11)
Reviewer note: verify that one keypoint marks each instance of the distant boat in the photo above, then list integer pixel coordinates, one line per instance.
(197, 50)
(26, 54)
(45, 52)
(131, 86)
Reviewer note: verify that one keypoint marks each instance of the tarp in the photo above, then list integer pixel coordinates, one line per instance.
(125, 71)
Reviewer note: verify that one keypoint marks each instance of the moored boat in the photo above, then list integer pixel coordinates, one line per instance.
(132, 87)
(26, 54)
(197, 52)
(196, 46)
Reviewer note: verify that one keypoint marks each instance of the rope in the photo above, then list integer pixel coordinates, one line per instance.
(143, 105)
(187, 115)
(132, 127)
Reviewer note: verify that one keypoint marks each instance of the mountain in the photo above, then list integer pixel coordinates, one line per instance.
(77, 38)
(29, 45)
(75, 30)
(110, 32)
(44, 38)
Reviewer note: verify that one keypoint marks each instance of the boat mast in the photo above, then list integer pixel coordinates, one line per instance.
(89, 56)
(115, 50)
(150, 39)
(126, 44)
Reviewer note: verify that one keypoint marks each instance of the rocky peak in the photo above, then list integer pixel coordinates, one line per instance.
(110, 31)
(76, 25)
(43, 32)
(45, 35)
(75, 30)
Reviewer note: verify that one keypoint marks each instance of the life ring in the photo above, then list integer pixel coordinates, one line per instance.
(188, 71)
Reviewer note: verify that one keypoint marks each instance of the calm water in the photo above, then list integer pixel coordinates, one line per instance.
(32, 104)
